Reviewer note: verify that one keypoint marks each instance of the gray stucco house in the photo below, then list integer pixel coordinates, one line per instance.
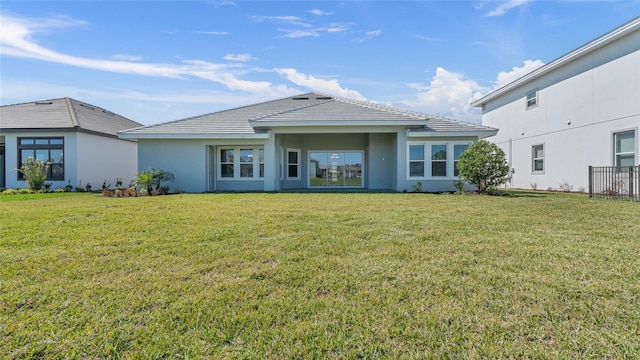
(309, 141)
(79, 140)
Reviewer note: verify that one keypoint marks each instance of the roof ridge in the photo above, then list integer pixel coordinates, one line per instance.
(72, 113)
(290, 109)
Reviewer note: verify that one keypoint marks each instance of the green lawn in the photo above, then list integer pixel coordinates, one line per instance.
(531, 275)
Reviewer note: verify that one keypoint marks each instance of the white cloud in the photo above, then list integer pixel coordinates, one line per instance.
(374, 33)
(448, 94)
(126, 57)
(320, 12)
(293, 20)
(15, 40)
(506, 6)
(212, 32)
(332, 86)
(238, 57)
(517, 72)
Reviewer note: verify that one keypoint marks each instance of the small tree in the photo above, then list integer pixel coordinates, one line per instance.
(484, 165)
(145, 179)
(34, 172)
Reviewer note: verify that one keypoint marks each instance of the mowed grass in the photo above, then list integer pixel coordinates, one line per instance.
(287, 275)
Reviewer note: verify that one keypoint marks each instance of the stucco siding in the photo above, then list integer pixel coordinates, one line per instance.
(580, 106)
(101, 158)
(70, 158)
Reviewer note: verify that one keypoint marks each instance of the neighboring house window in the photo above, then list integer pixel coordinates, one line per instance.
(416, 160)
(442, 159)
(537, 158)
(241, 163)
(293, 164)
(532, 98)
(625, 148)
(458, 149)
(439, 160)
(47, 150)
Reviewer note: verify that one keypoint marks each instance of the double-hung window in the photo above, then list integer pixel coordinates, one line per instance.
(458, 149)
(241, 163)
(532, 99)
(416, 160)
(439, 160)
(537, 158)
(293, 164)
(49, 150)
(625, 148)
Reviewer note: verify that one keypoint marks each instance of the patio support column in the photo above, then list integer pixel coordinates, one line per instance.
(270, 163)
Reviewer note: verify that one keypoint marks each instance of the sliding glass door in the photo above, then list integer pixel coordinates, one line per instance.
(335, 169)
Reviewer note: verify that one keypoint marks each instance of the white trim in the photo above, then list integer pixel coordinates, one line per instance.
(237, 163)
(534, 158)
(298, 164)
(428, 162)
(362, 170)
(614, 149)
(535, 98)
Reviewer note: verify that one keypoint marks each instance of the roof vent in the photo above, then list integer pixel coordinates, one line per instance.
(301, 98)
(323, 98)
(87, 106)
(108, 113)
(43, 102)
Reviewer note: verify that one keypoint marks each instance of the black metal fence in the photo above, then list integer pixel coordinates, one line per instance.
(615, 182)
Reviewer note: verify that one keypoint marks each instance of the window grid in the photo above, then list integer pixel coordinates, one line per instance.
(48, 150)
(532, 99)
(293, 164)
(537, 158)
(240, 163)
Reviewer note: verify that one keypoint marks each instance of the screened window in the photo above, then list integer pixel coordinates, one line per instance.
(537, 158)
(241, 163)
(416, 160)
(625, 148)
(532, 98)
(439, 160)
(47, 150)
(293, 164)
(458, 149)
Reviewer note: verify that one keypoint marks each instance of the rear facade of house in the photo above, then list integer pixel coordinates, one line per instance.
(580, 110)
(310, 141)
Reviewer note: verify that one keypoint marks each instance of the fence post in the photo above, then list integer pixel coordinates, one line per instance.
(590, 181)
(631, 182)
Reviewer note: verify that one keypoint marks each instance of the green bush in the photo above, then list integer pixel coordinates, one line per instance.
(9, 192)
(35, 173)
(484, 165)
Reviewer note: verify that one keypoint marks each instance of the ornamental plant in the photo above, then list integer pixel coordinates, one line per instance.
(34, 172)
(484, 165)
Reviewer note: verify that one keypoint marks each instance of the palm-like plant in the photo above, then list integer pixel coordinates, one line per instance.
(146, 180)
(160, 176)
(152, 178)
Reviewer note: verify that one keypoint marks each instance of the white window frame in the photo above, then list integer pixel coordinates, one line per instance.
(453, 154)
(534, 159)
(633, 152)
(447, 173)
(423, 161)
(450, 161)
(298, 164)
(535, 99)
(236, 162)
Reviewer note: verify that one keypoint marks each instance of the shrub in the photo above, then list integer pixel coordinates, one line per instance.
(484, 165)
(153, 178)
(417, 187)
(9, 192)
(35, 173)
(459, 185)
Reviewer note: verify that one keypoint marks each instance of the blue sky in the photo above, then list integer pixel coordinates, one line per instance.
(156, 61)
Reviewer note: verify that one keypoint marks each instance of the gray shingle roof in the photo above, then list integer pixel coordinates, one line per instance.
(302, 110)
(62, 114)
